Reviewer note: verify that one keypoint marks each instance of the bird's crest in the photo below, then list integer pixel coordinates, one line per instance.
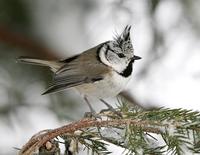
(124, 36)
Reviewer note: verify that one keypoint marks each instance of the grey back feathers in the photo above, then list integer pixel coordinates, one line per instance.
(85, 68)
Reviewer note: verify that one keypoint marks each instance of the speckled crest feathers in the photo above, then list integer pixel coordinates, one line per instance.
(124, 36)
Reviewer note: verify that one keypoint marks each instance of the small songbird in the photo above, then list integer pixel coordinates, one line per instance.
(102, 71)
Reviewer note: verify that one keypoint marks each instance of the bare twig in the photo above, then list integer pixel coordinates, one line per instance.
(40, 139)
(10, 37)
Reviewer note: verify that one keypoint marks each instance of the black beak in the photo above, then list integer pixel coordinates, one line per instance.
(136, 58)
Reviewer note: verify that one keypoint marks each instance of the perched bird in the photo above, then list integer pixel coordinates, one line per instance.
(102, 71)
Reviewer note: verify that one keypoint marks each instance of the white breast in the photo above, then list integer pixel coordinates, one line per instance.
(110, 86)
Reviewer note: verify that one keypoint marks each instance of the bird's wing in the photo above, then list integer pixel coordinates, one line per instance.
(85, 68)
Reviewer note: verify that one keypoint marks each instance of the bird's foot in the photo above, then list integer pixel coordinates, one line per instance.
(110, 108)
(117, 113)
(92, 114)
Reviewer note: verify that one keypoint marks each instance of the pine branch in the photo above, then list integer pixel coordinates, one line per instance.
(178, 128)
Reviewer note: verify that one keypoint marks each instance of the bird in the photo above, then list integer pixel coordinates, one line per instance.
(102, 71)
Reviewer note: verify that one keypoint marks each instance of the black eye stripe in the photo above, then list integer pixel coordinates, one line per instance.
(121, 55)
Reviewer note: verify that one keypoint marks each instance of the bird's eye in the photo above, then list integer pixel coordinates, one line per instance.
(121, 55)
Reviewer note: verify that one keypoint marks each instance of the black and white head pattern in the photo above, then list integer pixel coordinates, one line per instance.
(118, 53)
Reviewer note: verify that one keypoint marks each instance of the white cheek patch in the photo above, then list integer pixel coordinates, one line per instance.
(112, 57)
(120, 66)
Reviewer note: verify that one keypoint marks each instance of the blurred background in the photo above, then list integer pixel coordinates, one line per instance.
(165, 33)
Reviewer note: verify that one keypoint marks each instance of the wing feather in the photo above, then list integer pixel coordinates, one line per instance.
(85, 68)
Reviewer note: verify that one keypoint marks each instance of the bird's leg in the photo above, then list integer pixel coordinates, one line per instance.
(111, 108)
(92, 111)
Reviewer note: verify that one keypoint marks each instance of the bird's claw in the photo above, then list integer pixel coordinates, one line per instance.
(92, 115)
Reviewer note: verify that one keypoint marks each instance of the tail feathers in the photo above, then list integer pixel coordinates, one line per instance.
(56, 88)
(52, 64)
